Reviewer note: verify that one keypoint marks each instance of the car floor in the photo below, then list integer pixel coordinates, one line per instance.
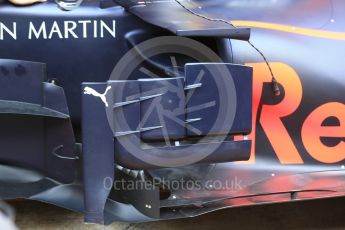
(316, 214)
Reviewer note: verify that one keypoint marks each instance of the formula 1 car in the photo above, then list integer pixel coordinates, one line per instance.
(137, 111)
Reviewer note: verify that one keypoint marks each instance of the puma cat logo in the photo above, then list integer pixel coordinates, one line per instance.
(90, 91)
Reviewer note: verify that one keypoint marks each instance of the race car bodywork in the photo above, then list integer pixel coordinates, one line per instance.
(150, 110)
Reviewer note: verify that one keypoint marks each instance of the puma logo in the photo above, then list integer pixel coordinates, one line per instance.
(90, 91)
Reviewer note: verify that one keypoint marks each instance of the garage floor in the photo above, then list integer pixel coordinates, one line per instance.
(319, 214)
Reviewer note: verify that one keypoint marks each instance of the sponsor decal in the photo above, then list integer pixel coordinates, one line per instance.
(313, 128)
(90, 91)
(68, 29)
